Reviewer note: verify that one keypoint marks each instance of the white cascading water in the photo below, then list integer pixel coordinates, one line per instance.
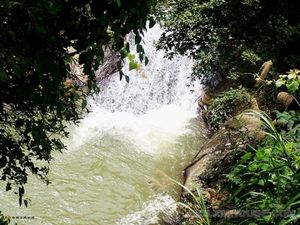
(159, 101)
(109, 175)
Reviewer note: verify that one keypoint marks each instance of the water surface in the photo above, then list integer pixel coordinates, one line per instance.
(118, 157)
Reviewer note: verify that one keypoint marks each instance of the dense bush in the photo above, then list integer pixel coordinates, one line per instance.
(232, 37)
(268, 178)
(226, 105)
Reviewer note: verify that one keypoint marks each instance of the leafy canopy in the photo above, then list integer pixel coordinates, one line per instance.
(232, 37)
(36, 38)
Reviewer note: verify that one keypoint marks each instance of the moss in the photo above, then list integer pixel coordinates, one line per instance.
(226, 105)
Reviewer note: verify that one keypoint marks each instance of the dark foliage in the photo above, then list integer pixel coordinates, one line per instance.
(35, 101)
(231, 37)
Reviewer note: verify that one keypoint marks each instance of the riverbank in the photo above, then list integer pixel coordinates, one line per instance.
(235, 143)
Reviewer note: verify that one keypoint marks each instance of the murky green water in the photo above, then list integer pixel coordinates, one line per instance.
(115, 168)
(107, 179)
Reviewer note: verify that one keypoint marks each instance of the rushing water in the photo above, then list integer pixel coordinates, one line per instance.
(119, 156)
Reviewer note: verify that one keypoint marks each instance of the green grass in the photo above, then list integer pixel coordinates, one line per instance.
(268, 177)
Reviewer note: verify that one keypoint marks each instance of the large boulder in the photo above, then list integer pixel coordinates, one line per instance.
(214, 158)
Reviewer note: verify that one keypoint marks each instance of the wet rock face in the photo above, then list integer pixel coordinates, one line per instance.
(215, 157)
(208, 168)
(109, 65)
(209, 162)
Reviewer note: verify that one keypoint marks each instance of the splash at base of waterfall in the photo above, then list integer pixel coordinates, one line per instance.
(109, 175)
(159, 205)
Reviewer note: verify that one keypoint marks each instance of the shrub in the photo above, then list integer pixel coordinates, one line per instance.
(291, 81)
(268, 178)
(232, 37)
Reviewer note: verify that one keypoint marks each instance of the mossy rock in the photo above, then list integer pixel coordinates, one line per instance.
(225, 106)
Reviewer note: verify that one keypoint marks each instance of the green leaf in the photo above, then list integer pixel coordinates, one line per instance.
(76, 96)
(138, 39)
(146, 60)
(133, 65)
(279, 83)
(252, 167)
(141, 57)
(127, 78)
(121, 74)
(127, 47)
(13, 3)
(3, 161)
(260, 155)
(283, 118)
(118, 2)
(261, 182)
(139, 48)
(292, 86)
(8, 187)
(267, 218)
(131, 56)
(124, 53)
(21, 193)
(246, 157)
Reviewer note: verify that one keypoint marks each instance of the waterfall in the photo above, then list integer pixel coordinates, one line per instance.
(108, 174)
(162, 82)
(160, 98)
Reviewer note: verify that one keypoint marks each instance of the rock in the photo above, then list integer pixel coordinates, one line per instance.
(213, 159)
(288, 100)
(109, 65)
(264, 70)
(107, 68)
(205, 99)
(219, 152)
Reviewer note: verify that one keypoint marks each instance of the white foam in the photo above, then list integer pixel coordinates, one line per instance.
(145, 111)
(150, 211)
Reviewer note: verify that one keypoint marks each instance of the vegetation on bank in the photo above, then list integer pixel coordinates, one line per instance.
(268, 177)
(264, 179)
(226, 105)
(232, 38)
